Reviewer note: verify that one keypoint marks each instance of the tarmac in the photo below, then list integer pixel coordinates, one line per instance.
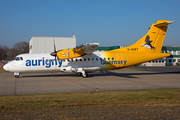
(133, 78)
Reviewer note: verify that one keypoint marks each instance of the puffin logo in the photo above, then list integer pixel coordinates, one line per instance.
(148, 43)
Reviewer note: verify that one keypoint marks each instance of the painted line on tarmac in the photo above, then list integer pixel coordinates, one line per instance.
(79, 84)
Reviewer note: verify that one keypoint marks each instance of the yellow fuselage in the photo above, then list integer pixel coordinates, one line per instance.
(121, 59)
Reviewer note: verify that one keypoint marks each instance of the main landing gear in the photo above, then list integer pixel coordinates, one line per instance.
(82, 73)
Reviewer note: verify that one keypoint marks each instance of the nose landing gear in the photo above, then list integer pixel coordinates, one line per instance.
(16, 75)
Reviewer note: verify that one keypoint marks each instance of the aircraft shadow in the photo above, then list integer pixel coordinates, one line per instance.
(130, 75)
(108, 73)
(52, 75)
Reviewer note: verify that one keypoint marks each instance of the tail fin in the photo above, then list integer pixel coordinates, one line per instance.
(153, 40)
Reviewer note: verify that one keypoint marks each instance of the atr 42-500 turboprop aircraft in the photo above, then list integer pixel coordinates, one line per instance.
(83, 59)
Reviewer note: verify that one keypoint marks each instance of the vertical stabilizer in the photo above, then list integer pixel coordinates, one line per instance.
(153, 40)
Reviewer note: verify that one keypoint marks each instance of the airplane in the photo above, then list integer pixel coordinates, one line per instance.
(84, 59)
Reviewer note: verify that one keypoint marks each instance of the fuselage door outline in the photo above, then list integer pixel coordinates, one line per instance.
(119, 58)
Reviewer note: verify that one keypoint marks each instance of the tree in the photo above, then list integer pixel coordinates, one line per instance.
(3, 52)
(10, 53)
(19, 48)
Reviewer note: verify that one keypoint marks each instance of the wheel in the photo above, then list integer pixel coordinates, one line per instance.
(16, 76)
(80, 74)
(84, 75)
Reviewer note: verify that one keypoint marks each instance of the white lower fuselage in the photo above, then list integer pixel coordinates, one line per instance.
(46, 62)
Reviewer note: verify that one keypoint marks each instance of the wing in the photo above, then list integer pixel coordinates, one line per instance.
(86, 49)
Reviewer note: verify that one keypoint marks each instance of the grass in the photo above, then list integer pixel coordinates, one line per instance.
(103, 98)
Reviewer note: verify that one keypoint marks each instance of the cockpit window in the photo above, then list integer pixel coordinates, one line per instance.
(15, 58)
(18, 58)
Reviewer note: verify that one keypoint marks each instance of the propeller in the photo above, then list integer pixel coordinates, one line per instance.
(55, 52)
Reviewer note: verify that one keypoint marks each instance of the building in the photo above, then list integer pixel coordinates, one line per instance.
(107, 48)
(46, 44)
(174, 59)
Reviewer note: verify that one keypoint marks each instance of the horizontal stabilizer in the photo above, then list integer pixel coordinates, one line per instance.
(164, 23)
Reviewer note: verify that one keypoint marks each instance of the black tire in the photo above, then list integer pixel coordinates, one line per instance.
(80, 74)
(85, 75)
(16, 76)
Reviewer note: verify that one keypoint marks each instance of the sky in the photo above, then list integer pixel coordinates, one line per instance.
(108, 22)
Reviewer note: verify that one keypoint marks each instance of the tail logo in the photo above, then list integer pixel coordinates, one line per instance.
(148, 43)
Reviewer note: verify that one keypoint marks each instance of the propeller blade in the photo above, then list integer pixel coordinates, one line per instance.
(55, 52)
(54, 46)
(56, 59)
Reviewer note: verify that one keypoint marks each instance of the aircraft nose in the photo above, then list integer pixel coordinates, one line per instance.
(5, 67)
